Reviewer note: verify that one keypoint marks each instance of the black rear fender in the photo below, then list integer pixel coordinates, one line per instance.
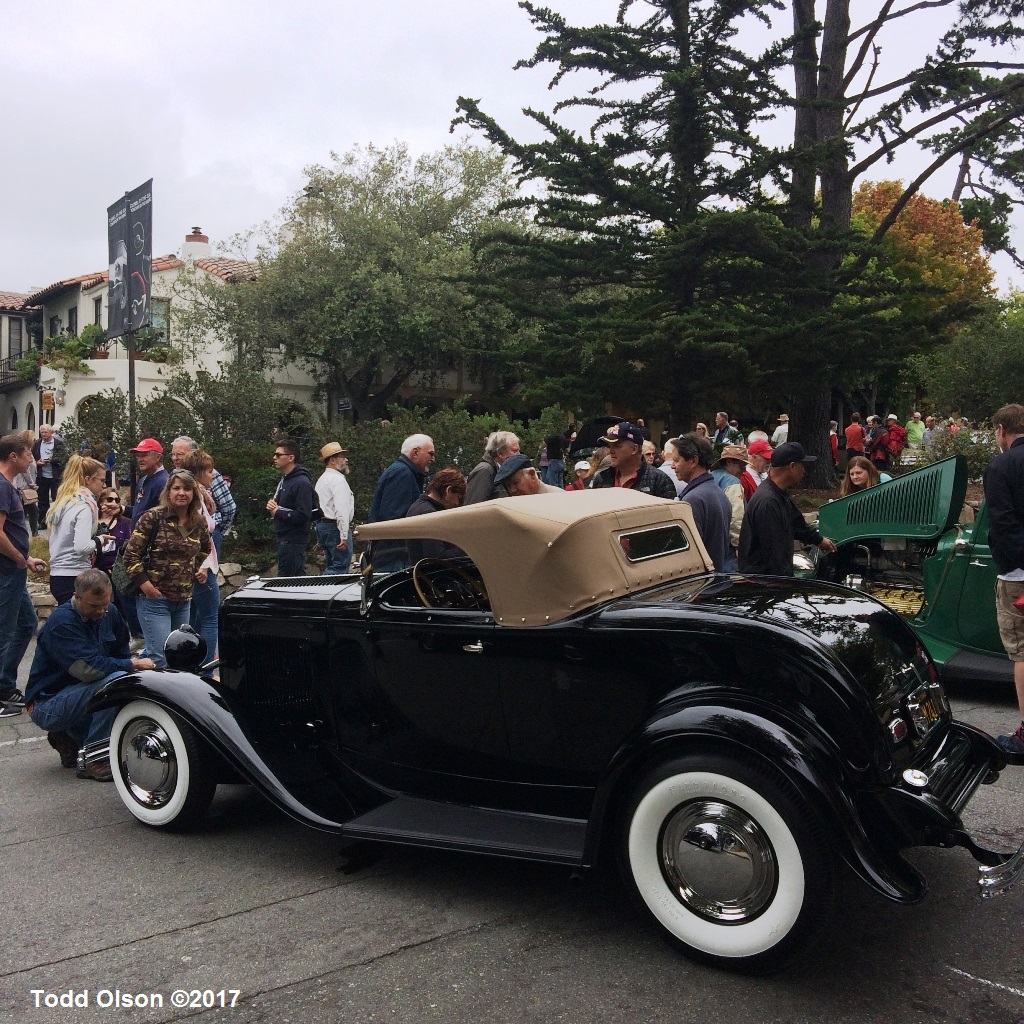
(814, 771)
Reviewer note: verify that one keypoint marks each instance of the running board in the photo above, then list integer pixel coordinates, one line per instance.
(416, 822)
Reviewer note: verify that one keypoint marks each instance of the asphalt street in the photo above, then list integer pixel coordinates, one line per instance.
(94, 903)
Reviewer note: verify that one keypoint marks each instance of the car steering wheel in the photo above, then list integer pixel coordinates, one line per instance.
(439, 584)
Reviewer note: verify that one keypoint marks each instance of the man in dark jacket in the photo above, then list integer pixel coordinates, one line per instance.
(291, 508)
(628, 468)
(397, 488)
(149, 455)
(712, 511)
(51, 455)
(772, 521)
(1004, 496)
(501, 445)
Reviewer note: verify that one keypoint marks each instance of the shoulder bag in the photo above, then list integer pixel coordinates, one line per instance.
(119, 575)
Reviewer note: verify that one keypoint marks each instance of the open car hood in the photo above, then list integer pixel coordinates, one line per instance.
(921, 505)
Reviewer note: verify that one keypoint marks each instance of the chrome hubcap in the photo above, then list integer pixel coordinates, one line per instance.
(718, 861)
(147, 763)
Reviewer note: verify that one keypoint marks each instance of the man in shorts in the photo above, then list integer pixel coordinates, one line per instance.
(1004, 495)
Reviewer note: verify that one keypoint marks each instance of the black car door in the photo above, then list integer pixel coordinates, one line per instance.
(436, 675)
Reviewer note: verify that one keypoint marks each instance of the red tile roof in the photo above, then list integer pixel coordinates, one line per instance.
(228, 269)
(219, 266)
(13, 301)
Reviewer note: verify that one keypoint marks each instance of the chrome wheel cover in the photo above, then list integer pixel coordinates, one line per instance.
(718, 861)
(147, 762)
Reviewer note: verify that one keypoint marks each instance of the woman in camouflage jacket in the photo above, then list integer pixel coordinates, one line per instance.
(164, 556)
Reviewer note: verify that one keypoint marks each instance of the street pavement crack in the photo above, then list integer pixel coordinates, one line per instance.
(455, 933)
(341, 883)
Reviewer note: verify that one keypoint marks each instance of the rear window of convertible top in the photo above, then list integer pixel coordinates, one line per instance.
(661, 540)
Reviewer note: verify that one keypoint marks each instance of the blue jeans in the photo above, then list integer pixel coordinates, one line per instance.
(17, 627)
(218, 539)
(291, 558)
(205, 612)
(159, 618)
(65, 712)
(328, 538)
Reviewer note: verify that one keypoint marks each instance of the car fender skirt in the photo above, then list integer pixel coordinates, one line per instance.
(205, 709)
(809, 766)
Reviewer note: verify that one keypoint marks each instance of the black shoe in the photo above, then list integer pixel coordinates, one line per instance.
(15, 697)
(65, 746)
(10, 711)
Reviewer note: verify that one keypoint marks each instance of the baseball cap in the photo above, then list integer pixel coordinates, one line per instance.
(892, 416)
(582, 464)
(790, 452)
(624, 431)
(762, 448)
(511, 466)
(149, 444)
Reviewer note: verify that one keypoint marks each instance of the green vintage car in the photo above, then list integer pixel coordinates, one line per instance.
(904, 543)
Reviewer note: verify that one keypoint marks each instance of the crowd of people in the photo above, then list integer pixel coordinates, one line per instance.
(161, 551)
(125, 577)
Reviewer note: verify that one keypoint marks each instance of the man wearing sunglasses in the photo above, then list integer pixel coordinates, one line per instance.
(290, 509)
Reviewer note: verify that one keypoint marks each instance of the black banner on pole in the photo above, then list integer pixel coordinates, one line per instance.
(130, 254)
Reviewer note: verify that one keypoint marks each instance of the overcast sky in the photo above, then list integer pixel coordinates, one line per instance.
(224, 102)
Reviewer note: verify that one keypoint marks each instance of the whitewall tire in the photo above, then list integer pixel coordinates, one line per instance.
(161, 770)
(729, 861)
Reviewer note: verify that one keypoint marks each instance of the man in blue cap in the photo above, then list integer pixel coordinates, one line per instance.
(628, 468)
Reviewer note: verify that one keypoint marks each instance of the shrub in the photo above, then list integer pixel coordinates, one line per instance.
(978, 446)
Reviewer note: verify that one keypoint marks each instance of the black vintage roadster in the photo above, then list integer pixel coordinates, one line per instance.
(581, 685)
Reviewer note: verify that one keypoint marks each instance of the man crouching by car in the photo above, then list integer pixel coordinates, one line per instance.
(82, 645)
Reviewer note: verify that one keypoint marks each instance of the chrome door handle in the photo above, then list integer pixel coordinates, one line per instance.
(977, 564)
(477, 648)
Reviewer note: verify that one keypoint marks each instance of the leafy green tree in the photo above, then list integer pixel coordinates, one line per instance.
(981, 369)
(730, 252)
(637, 233)
(362, 278)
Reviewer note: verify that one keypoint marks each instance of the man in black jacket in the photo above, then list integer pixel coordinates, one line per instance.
(771, 521)
(628, 468)
(291, 509)
(1004, 495)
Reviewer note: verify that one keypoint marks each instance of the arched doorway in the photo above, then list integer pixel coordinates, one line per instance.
(30, 417)
(14, 420)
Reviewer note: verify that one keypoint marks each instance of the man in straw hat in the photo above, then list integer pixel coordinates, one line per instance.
(338, 504)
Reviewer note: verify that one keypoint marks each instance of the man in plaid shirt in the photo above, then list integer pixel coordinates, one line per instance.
(224, 504)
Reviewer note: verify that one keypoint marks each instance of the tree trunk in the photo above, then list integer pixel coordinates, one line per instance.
(808, 424)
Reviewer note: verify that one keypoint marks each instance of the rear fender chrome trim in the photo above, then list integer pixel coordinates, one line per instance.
(997, 872)
(996, 880)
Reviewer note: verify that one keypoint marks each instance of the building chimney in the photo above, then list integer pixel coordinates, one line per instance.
(197, 245)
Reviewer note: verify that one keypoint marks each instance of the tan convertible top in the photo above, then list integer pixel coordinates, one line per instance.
(546, 556)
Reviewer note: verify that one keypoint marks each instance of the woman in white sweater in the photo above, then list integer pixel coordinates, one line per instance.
(72, 520)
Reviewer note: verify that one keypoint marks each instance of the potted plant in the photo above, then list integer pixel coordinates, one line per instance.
(27, 367)
(163, 354)
(95, 339)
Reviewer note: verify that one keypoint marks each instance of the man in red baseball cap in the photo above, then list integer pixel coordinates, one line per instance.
(149, 455)
(759, 454)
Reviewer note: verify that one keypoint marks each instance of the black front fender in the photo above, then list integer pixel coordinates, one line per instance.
(816, 772)
(206, 710)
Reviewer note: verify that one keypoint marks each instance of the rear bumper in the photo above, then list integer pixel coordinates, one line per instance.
(928, 799)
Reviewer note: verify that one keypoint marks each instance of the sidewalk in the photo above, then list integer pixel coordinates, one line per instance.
(20, 734)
